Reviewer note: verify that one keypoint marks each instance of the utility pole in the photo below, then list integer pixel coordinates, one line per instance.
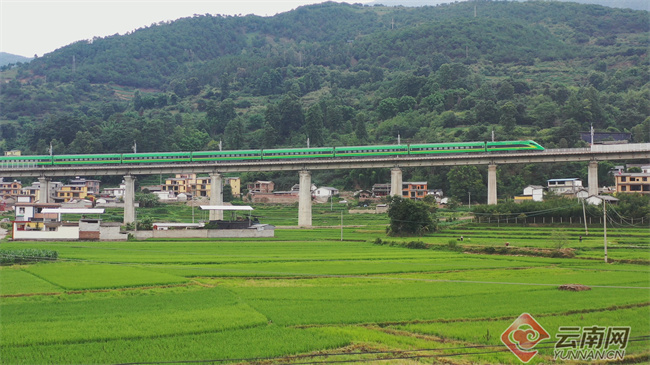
(135, 147)
(469, 201)
(605, 227)
(584, 215)
(492, 134)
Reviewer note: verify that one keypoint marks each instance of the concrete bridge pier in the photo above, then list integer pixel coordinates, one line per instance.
(396, 181)
(216, 195)
(492, 184)
(304, 200)
(44, 189)
(129, 199)
(592, 177)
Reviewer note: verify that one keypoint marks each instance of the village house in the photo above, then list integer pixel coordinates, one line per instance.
(325, 192)
(42, 221)
(261, 187)
(415, 190)
(632, 182)
(598, 199)
(564, 186)
(116, 192)
(381, 189)
(531, 193)
(10, 189)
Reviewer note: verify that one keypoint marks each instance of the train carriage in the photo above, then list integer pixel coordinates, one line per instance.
(436, 148)
(203, 156)
(87, 159)
(513, 146)
(25, 161)
(362, 151)
(289, 153)
(159, 157)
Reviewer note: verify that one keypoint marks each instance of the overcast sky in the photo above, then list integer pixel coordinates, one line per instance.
(29, 27)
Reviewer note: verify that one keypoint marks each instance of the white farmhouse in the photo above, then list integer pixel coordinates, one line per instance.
(534, 191)
(564, 186)
(325, 192)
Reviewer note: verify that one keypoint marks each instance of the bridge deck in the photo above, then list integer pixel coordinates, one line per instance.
(595, 153)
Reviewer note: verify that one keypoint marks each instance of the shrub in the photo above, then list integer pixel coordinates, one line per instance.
(453, 245)
(10, 257)
(417, 245)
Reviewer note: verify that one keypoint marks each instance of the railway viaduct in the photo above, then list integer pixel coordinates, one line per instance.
(215, 170)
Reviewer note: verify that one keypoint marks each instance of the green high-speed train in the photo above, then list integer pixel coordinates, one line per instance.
(268, 154)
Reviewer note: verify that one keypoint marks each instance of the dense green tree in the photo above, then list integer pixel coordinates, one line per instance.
(507, 118)
(227, 193)
(388, 108)
(85, 142)
(291, 115)
(506, 91)
(149, 200)
(234, 134)
(465, 180)
(408, 217)
(360, 129)
(314, 125)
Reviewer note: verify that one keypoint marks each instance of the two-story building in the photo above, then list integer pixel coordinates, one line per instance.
(180, 184)
(564, 186)
(36, 221)
(10, 189)
(632, 183)
(116, 192)
(92, 186)
(260, 186)
(381, 189)
(71, 192)
(415, 190)
(531, 192)
(190, 184)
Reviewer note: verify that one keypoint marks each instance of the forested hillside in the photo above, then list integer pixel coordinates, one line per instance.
(342, 74)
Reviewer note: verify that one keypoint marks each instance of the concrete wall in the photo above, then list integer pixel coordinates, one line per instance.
(63, 233)
(112, 233)
(204, 233)
(273, 198)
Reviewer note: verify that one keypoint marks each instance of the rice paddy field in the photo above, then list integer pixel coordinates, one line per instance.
(306, 296)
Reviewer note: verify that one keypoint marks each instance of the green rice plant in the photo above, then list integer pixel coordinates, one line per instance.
(638, 318)
(71, 275)
(14, 280)
(394, 302)
(208, 310)
(257, 342)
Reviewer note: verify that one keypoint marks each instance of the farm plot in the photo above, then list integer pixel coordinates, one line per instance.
(299, 298)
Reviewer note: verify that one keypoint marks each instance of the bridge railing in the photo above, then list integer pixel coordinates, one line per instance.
(633, 147)
(13, 164)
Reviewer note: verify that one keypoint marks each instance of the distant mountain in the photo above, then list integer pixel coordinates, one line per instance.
(623, 4)
(7, 58)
